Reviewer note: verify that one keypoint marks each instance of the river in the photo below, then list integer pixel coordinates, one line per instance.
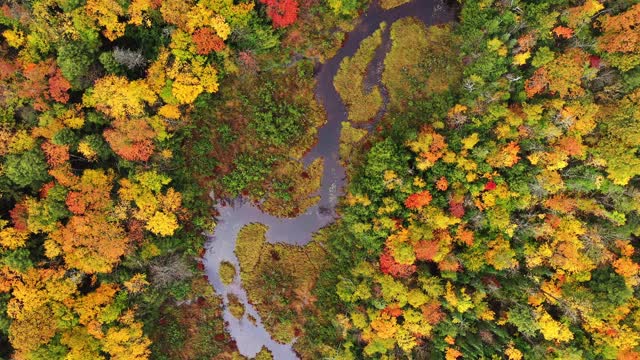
(250, 337)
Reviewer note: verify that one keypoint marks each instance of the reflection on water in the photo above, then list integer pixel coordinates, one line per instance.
(251, 337)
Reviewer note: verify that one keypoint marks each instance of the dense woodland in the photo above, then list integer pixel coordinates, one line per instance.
(117, 119)
(492, 213)
(495, 213)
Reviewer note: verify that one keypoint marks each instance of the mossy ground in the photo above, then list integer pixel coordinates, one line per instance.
(278, 279)
(390, 4)
(194, 329)
(422, 61)
(227, 272)
(349, 80)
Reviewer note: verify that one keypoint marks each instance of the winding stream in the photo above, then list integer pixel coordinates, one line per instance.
(250, 337)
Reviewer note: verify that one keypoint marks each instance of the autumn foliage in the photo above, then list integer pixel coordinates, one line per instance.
(494, 213)
(87, 161)
(131, 139)
(490, 229)
(388, 265)
(418, 200)
(282, 12)
(59, 87)
(207, 41)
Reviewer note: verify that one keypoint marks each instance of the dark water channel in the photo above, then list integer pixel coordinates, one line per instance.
(249, 337)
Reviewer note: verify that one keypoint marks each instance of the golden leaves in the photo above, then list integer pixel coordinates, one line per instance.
(470, 141)
(106, 13)
(163, 224)
(11, 238)
(137, 283)
(507, 156)
(429, 145)
(118, 97)
(154, 207)
(552, 329)
(500, 254)
(127, 343)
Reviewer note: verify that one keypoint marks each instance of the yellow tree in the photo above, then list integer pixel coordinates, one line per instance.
(156, 208)
(118, 97)
(36, 295)
(618, 147)
(562, 76)
(93, 308)
(106, 14)
(127, 342)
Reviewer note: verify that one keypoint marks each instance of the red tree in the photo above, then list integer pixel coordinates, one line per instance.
(418, 200)
(58, 87)
(456, 208)
(388, 265)
(131, 139)
(207, 41)
(19, 216)
(35, 83)
(282, 12)
(491, 185)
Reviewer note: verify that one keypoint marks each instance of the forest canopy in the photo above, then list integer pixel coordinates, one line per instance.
(107, 129)
(492, 212)
(496, 213)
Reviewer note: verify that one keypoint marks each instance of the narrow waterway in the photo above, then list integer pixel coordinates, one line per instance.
(250, 337)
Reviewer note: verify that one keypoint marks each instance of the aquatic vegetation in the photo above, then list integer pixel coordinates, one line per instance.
(264, 354)
(227, 272)
(193, 330)
(362, 104)
(421, 61)
(278, 279)
(235, 306)
(390, 4)
(291, 188)
(350, 139)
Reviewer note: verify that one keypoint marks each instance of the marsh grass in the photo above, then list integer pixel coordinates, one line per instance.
(422, 61)
(278, 279)
(349, 80)
(227, 272)
(235, 306)
(390, 4)
(291, 187)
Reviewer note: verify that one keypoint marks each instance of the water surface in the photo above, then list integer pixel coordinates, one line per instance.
(250, 337)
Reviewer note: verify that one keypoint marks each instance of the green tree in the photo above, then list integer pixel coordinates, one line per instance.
(27, 169)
